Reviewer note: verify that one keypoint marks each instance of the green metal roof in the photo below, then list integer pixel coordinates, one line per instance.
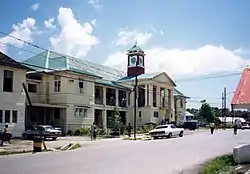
(56, 61)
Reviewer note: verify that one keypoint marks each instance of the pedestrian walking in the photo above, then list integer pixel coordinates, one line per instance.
(235, 127)
(93, 131)
(129, 129)
(212, 126)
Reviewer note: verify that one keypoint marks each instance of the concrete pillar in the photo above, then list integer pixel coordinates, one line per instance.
(158, 96)
(104, 118)
(117, 97)
(104, 95)
(151, 95)
(146, 95)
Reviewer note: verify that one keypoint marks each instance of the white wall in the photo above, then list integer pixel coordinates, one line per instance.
(13, 100)
(181, 110)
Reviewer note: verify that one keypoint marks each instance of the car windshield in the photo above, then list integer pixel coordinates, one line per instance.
(49, 128)
(161, 127)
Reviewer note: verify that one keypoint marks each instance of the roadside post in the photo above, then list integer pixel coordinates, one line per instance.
(37, 144)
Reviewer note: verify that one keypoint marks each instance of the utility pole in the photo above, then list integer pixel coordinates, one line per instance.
(135, 99)
(225, 104)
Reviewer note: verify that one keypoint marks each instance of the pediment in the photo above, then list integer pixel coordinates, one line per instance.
(164, 78)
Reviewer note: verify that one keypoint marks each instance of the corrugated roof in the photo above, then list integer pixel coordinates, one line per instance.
(109, 75)
(56, 61)
(8, 61)
(140, 77)
(242, 93)
(178, 93)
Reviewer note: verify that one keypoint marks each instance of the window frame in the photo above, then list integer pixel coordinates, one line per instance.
(81, 89)
(7, 111)
(1, 116)
(156, 115)
(57, 83)
(36, 86)
(16, 115)
(5, 77)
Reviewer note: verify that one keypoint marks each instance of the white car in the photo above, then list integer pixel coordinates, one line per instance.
(245, 126)
(168, 131)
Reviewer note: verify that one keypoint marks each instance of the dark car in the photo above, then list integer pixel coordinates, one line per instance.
(46, 131)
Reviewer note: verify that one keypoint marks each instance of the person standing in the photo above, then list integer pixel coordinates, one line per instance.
(235, 127)
(5, 129)
(129, 129)
(93, 131)
(212, 126)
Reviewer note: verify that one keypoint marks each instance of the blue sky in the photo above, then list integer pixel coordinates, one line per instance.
(184, 38)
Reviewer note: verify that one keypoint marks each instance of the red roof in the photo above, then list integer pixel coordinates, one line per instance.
(242, 93)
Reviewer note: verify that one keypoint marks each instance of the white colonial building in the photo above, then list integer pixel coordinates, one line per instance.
(71, 93)
(12, 97)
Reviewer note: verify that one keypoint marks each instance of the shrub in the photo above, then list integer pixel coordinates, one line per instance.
(220, 164)
(145, 128)
(101, 132)
(82, 131)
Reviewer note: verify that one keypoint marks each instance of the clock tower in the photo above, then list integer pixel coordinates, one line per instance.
(136, 64)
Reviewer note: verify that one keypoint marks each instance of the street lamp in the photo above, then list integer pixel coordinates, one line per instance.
(135, 98)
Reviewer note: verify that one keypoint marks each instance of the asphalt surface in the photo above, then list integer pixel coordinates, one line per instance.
(164, 156)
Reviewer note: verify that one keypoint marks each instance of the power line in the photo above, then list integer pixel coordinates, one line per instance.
(74, 59)
(41, 67)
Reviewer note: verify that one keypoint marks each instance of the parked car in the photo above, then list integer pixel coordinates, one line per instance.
(168, 131)
(46, 131)
(245, 126)
(191, 124)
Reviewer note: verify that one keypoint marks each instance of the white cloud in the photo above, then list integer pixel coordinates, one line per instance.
(74, 39)
(49, 23)
(127, 37)
(93, 22)
(35, 6)
(94, 3)
(24, 30)
(179, 63)
(241, 51)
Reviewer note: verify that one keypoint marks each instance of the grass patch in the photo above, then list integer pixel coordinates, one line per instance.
(75, 146)
(19, 152)
(221, 165)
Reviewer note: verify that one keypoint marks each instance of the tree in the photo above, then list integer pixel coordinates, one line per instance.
(206, 114)
(115, 120)
(193, 111)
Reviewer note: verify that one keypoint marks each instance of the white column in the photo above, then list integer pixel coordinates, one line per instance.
(158, 96)
(104, 118)
(104, 98)
(151, 95)
(146, 95)
(116, 97)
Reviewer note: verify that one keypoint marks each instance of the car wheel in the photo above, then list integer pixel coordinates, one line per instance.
(54, 138)
(181, 134)
(170, 135)
(154, 138)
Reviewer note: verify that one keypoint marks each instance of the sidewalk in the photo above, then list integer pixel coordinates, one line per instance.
(26, 145)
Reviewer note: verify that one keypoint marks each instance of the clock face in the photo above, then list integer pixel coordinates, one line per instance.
(133, 60)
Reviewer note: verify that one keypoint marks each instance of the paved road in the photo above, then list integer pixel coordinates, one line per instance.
(128, 157)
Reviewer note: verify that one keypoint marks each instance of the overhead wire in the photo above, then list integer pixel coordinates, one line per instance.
(76, 60)
(92, 81)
